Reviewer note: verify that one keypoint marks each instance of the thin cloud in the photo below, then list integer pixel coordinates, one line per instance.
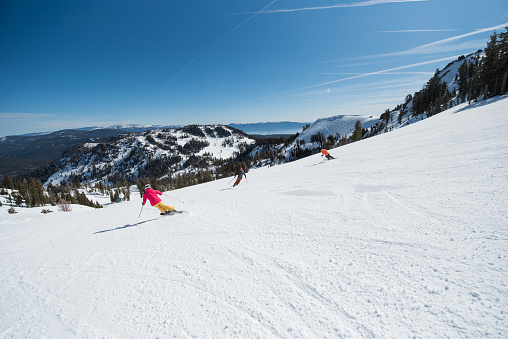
(365, 75)
(24, 116)
(419, 30)
(350, 90)
(220, 39)
(447, 45)
(354, 4)
(441, 46)
(397, 73)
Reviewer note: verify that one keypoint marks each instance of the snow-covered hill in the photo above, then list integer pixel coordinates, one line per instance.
(154, 153)
(404, 114)
(449, 73)
(404, 235)
(342, 125)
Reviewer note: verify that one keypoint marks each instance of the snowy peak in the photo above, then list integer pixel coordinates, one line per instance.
(342, 125)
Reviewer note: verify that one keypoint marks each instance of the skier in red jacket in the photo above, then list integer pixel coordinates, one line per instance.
(152, 196)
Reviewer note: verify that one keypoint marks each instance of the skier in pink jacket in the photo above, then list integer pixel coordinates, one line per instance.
(152, 196)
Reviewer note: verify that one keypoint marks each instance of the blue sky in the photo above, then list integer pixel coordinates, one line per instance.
(69, 64)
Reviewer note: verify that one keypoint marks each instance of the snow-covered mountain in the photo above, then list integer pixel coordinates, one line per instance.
(342, 125)
(404, 235)
(154, 153)
(404, 114)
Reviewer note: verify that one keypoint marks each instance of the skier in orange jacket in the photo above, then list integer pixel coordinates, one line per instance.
(326, 154)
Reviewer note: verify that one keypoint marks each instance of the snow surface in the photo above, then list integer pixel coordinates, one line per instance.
(404, 235)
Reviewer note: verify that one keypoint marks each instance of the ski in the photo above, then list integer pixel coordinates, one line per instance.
(172, 213)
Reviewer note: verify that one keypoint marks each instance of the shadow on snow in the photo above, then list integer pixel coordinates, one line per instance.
(125, 226)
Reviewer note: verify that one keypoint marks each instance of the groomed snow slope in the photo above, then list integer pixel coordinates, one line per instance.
(405, 234)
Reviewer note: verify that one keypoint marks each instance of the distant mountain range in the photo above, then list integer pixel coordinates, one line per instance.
(131, 128)
(268, 128)
(22, 153)
(258, 128)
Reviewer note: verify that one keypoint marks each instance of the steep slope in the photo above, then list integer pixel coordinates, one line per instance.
(404, 114)
(404, 235)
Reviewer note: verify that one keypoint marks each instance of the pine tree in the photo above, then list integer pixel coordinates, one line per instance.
(8, 183)
(463, 81)
(385, 116)
(357, 134)
(489, 66)
(503, 55)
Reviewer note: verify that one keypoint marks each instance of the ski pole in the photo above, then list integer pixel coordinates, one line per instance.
(140, 214)
(231, 180)
(173, 198)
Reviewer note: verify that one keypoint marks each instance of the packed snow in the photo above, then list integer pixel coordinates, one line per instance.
(404, 235)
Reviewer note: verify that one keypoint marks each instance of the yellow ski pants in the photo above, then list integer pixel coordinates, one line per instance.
(163, 208)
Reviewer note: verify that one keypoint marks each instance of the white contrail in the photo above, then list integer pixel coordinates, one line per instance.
(354, 4)
(418, 30)
(446, 44)
(365, 75)
(397, 73)
(220, 39)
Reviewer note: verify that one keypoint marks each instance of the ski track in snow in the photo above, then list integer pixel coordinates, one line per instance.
(404, 235)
